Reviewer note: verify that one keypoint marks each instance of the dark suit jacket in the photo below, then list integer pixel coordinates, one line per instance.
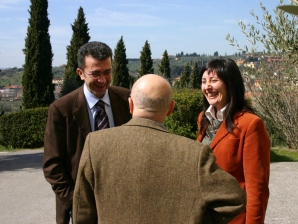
(66, 130)
(144, 174)
(246, 155)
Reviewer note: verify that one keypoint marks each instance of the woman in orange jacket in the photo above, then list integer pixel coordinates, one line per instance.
(237, 136)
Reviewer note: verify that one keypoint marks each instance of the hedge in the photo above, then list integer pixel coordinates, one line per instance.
(183, 120)
(24, 129)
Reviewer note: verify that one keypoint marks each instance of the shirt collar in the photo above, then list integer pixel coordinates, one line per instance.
(92, 100)
(210, 113)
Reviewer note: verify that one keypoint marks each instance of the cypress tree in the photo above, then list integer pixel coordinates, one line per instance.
(146, 61)
(185, 77)
(194, 78)
(120, 66)
(79, 37)
(164, 67)
(38, 90)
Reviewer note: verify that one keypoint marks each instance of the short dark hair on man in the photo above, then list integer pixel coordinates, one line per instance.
(95, 49)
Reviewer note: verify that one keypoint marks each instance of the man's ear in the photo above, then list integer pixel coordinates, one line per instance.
(80, 73)
(171, 108)
(131, 106)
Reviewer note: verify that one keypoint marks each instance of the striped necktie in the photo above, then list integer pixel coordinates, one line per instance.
(101, 118)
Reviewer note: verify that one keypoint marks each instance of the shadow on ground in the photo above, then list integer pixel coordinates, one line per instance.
(274, 157)
(18, 162)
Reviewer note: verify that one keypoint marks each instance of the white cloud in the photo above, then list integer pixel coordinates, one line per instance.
(231, 21)
(103, 17)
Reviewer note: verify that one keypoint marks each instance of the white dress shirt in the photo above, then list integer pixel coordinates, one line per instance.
(92, 110)
(210, 113)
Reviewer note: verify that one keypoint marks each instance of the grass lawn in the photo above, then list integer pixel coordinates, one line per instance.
(283, 155)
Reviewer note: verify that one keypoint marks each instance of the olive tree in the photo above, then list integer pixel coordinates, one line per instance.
(272, 85)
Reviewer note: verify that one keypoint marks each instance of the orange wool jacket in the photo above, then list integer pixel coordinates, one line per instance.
(245, 154)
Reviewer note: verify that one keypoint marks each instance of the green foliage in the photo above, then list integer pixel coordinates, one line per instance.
(283, 155)
(38, 90)
(194, 77)
(146, 61)
(164, 67)
(120, 68)
(10, 106)
(273, 84)
(183, 120)
(58, 72)
(10, 76)
(132, 80)
(79, 37)
(24, 129)
(13, 76)
(69, 84)
(185, 77)
(277, 137)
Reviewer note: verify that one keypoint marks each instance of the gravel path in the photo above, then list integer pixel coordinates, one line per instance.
(26, 197)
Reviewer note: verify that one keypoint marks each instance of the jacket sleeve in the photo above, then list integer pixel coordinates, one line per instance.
(84, 205)
(223, 196)
(54, 163)
(256, 165)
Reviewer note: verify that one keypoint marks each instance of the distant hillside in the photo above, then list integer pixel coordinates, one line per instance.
(13, 76)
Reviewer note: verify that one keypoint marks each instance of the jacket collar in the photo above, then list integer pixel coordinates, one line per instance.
(138, 121)
(222, 131)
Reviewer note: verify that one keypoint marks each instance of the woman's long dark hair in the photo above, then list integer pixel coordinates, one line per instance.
(228, 71)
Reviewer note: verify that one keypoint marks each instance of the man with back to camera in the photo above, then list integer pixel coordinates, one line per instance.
(144, 174)
(73, 116)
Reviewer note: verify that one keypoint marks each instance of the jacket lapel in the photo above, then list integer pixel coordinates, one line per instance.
(118, 104)
(80, 112)
(222, 131)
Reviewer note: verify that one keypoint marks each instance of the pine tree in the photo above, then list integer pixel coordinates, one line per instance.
(194, 78)
(164, 67)
(146, 61)
(38, 90)
(79, 37)
(185, 77)
(120, 66)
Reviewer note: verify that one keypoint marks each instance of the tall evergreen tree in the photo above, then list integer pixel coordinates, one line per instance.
(146, 61)
(79, 37)
(38, 90)
(120, 66)
(194, 78)
(164, 67)
(185, 77)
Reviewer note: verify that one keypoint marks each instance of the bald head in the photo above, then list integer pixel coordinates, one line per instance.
(152, 97)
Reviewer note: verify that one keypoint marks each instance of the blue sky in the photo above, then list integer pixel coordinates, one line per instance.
(188, 26)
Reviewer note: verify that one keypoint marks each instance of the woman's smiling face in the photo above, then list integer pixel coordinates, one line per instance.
(214, 90)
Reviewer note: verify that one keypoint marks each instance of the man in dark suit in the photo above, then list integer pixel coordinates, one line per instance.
(144, 174)
(73, 116)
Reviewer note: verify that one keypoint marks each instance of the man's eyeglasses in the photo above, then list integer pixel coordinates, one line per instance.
(96, 74)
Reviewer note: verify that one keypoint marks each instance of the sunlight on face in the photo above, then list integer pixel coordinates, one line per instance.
(214, 90)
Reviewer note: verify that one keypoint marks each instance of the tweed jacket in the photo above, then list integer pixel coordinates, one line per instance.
(144, 174)
(67, 126)
(246, 155)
